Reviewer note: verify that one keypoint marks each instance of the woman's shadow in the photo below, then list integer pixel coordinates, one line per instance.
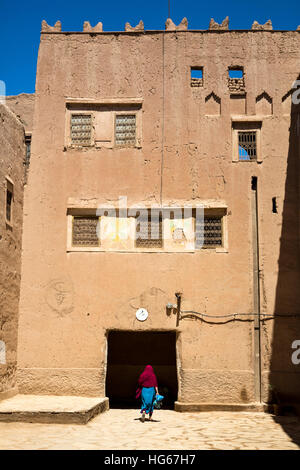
(147, 420)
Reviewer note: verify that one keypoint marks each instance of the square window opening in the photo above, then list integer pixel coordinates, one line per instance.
(196, 76)
(149, 232)
(209, 230)
(196, 72)
(85, 231)
(81, 129)
(236, 73)
(125, 130)
(247, 145)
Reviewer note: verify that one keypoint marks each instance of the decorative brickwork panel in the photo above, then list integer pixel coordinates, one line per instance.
(149, 232)
(85, 231)
(81, 129)
(247, 145)
(209, 232)
(236, 85)
(125, 130)
(196, 82)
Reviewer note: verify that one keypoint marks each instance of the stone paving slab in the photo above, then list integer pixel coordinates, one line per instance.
(51, 408)
(220, 406)
(170, 430)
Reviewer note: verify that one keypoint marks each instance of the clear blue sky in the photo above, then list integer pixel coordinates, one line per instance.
(21, 24)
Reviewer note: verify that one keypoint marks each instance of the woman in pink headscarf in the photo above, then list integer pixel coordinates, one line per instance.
(147, 390)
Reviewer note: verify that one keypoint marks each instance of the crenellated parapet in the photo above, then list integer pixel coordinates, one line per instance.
(138, 27)
(47, 28)
(92, 29)
(171, 26)
(263, 27)
(223, 26)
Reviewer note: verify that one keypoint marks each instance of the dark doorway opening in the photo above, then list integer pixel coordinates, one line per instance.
(128, 354)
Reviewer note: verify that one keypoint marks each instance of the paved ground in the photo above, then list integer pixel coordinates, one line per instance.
(122, 429)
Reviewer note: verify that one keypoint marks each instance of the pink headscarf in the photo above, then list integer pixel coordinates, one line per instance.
(146, 379)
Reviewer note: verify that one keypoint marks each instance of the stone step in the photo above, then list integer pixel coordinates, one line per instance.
(191, 407)
(51, 409)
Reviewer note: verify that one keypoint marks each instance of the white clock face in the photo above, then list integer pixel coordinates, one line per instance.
(141, 314)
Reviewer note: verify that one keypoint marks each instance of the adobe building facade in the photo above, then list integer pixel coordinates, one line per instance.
(129, 121)
(12, 159)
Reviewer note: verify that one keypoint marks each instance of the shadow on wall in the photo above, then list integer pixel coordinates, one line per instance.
(284, 376)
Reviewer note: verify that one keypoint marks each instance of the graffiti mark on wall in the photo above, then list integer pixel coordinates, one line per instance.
(60, 295)
(153, 299)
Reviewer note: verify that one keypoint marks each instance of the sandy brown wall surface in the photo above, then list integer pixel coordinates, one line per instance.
(12, 152)
(69, 300)
(23, 107)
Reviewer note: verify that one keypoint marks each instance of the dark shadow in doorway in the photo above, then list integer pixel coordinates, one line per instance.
(128, 354)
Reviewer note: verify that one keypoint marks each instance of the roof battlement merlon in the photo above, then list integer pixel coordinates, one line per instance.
(169, 27)
(125, 33)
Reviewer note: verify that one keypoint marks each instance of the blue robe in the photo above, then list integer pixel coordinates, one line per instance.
(148, 397)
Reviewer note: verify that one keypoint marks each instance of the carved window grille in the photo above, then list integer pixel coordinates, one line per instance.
(247, 145)
(149, 230)
(125, 130)
(209, 232)
(81, 129)
(9, 201)
(85, 231)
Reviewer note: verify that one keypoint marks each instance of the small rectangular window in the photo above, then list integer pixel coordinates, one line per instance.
(235, 73)
(236, 80)
(9, 200)
(274, 205)
(196, 77)
(28, 153)
(84, 231)
(28, 147)
(149, 230)
(125, 135)
(209, 232)
(247, 145)
(81, 129)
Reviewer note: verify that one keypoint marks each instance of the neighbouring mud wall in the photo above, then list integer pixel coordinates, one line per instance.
(12, 153)
(23, 107)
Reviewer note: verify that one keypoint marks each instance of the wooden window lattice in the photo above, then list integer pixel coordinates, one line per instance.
(209, 232)
(125, 129)
(85, 231)
(149, 232)
(247, 145)
(81, 129)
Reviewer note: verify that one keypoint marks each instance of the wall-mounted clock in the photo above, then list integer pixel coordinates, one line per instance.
(141, 314)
